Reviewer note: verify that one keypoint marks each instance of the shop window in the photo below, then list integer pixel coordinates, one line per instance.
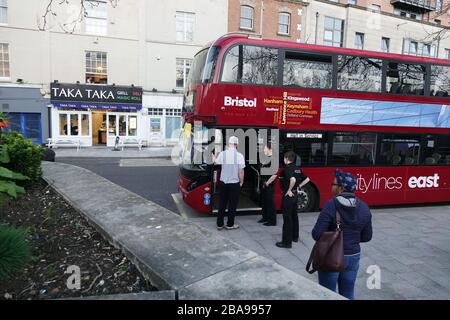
(122, 126)
(96, 67)
(173, 112)
(112, 125)
(29, 124)
(85, 125)
(359, 74)
(251, 65)
(308, 71)
(399, 150)
(351, 149)
(63, 125)
(155, 111)
(173, 127)
(74, 125)
(132, 126)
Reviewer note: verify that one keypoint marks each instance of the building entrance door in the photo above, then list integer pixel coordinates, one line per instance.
(156, 134)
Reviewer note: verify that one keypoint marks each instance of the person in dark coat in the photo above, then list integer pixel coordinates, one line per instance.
(269, 213)
(356, 225)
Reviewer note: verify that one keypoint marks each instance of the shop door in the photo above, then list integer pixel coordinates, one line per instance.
(156, 136)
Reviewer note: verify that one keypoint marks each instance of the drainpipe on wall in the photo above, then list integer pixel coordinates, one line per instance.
(262, 18)
(317, 26)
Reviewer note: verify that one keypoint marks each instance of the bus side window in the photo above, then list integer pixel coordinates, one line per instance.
(440, 81)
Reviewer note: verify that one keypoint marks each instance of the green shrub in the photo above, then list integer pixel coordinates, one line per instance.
(25, 157)
(9, 178)
(14, 251)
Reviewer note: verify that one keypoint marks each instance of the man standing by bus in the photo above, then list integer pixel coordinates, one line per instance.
(269, 213)
(293, 177)
(231, 181)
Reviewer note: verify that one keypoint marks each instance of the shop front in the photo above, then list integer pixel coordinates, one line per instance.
(95, 115)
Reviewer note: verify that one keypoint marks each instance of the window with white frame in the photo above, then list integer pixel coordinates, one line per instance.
(438, 6)
(352, 2)
(185, 22)
(247, 13)
(96, 67)
(415, 48)
(375, 8)
(408, 14)
(182, 71)
(97, 17)
(447, 54)
(173, 112)
(4, 11)
(73, 124)
(284, 23)
(359, 40)
(334, 30)
(4, 60)
(155, 111)
(385, 44)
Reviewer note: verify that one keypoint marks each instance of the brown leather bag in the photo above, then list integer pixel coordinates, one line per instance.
(328, 253)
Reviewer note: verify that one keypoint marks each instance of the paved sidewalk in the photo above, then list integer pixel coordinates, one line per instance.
(410, 245)
(107, 152)
(175, 253)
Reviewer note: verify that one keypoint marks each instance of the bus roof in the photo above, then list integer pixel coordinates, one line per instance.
(234, 38)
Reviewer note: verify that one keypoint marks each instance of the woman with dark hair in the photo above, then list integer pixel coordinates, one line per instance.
(356, 225)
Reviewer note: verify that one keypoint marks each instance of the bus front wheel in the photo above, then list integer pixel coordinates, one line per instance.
(306, 199)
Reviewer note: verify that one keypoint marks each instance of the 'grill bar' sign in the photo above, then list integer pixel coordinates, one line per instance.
(96, 97)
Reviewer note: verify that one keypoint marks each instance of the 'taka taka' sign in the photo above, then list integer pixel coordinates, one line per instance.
(95, 97)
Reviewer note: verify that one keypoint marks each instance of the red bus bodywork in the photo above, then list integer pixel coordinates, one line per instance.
(378, 185)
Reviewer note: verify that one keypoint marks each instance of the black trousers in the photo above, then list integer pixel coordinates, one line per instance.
(290, 219)
(229, 197)
(269, 212)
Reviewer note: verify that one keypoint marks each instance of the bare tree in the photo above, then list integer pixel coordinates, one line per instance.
(80, 6)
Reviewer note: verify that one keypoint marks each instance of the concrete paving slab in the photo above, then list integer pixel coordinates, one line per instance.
(106, 152)
(255, 279)
(154, 296)
(174, 253)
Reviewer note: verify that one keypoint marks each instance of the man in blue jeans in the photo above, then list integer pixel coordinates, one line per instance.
(356, 225)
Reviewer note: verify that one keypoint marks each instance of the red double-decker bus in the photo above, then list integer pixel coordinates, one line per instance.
(384, 117)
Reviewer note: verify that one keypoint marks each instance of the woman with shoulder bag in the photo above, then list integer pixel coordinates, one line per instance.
(356, 227)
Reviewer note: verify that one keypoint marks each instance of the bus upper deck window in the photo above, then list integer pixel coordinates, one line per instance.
(307, 71)
(405, 78)
(440, 81)
(251, 65)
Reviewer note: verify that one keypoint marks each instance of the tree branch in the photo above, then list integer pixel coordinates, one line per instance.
(81, 13)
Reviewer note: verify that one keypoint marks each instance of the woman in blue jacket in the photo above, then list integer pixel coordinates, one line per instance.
(356, 225)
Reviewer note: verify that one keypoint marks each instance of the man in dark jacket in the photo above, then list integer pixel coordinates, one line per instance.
(356, 225)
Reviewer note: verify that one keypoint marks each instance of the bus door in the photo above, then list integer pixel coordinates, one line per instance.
(250, 195)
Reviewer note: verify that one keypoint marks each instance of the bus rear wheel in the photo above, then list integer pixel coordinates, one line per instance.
(306, 199)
